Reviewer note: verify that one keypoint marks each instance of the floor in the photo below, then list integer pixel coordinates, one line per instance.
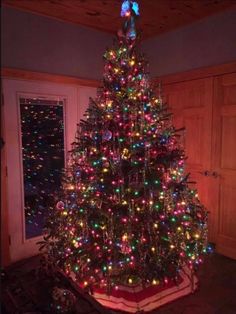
(26, 291)
(217, 290)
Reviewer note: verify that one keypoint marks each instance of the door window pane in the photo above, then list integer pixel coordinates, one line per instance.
(42, 136)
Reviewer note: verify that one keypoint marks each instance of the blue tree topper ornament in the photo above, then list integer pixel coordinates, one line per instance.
(130, 10)
(127, 6)
(135, 8)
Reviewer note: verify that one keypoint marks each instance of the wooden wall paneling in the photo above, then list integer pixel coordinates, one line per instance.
(191, 104)
(224, 162)
(47, 77)
(195, 74)
(206, 72)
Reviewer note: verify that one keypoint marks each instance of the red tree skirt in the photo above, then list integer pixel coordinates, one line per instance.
(136, 298)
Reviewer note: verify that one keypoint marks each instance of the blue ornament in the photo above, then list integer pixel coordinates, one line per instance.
(132, 31)
(78, 173)
(135, 8)
(107, 135)
(125, 8)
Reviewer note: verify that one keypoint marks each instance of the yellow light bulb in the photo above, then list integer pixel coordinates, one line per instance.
(124, 237)
(109, 104)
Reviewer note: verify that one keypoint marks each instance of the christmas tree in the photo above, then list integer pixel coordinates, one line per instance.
(126, 213)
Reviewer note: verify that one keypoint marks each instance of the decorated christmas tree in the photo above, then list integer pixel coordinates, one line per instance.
(126, 213)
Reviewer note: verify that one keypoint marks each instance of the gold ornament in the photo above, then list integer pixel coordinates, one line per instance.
(125, 154)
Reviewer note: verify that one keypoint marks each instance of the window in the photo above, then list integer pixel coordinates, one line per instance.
(42, 138)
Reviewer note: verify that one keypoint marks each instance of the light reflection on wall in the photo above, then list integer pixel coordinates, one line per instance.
(42, 131)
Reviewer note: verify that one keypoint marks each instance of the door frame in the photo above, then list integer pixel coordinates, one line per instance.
(19, 246)
(19, 95)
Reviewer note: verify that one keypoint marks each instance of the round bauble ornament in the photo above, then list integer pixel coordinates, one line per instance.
(106, 164)
(107, 135)
(60, 205)
(125, 248)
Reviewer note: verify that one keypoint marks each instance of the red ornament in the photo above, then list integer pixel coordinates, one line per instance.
(60, 205)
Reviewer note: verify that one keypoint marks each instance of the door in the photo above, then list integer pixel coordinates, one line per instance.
(191, 105)
(224, 162)
(207, 108)
(40, 124)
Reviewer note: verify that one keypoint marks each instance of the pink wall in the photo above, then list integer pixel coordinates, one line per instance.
(210, 41)
(38, 43)
(42, 44)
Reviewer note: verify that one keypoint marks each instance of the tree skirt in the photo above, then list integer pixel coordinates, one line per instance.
(136, 298)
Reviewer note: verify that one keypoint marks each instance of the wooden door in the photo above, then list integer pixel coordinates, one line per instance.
(191, 104)
(224, 162)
